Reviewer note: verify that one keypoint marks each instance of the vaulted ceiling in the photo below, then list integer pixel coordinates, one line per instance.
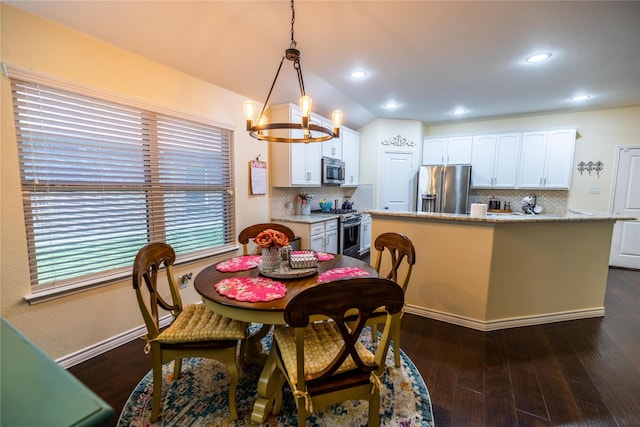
(430, 57)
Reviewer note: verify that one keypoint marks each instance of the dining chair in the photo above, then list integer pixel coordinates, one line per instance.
(324, 361)
(402, 257)
(253, 230)
(195, 330)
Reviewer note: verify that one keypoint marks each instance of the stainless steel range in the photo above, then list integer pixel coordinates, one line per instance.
(350, 221)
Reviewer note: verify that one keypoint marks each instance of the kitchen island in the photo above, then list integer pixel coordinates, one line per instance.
(503, 271)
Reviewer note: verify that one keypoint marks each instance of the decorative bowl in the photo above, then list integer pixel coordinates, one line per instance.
(325, 206)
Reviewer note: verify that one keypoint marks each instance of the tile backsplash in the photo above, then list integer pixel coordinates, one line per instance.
(552, 201)
(284, 199)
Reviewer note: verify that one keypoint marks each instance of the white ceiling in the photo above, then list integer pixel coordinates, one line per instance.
(429, 56)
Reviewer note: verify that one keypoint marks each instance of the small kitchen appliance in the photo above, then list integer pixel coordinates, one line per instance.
(332, 171)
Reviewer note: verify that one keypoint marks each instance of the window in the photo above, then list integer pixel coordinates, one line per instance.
(100, 180)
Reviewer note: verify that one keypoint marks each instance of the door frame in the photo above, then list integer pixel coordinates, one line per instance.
(614, 187)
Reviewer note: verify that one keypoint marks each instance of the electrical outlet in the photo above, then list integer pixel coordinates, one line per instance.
(594, 190)
(184, 280)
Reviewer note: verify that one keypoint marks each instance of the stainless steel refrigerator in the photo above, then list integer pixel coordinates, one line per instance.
(444, 188)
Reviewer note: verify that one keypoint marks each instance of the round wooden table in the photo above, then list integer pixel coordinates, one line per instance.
(271, 312)
(267, 313)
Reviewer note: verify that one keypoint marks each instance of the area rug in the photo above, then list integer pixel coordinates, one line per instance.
(200, 398)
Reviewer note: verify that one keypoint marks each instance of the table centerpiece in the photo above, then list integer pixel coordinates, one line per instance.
(270, 241)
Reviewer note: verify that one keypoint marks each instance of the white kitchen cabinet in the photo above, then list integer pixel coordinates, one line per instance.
(494, 160)
(331, 237)
(324, 236)
(321, 236)
(332, 148)
(448, 150)
(293, 164)
(365, 234)
(351, 157)
(546, 159)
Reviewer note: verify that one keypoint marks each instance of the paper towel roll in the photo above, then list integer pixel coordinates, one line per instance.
(478, 209)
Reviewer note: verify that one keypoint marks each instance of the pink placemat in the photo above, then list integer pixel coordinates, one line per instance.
(322, 256)
(239, 263)
(252, 289)
(342, 273)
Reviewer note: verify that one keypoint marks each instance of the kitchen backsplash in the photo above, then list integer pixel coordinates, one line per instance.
(552, 201)
(284, 199)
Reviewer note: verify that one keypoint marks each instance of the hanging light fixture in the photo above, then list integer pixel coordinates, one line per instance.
(257, 130)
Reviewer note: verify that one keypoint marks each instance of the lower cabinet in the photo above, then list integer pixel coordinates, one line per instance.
(319, 236)
(365, 234)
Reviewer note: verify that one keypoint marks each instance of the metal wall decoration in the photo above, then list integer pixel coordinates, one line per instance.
(398, 141)
(590, 166)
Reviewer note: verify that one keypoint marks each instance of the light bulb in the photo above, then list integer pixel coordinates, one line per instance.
(249, 110)
(337, 119)
(305, 106)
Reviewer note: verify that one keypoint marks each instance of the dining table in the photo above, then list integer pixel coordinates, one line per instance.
(218, 286)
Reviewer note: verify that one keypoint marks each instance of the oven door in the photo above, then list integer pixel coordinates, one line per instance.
(350, 237)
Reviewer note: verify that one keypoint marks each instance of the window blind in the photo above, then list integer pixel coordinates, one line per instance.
(100, 180)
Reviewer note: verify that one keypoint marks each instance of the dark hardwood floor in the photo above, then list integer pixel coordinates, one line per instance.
(575, 373)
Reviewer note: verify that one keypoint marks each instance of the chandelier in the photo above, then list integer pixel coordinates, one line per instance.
(260, 130)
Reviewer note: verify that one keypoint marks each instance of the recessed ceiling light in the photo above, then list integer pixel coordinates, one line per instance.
(358, 74)
(391, 105)
(579, 98)
(538, 57)
(459, 111)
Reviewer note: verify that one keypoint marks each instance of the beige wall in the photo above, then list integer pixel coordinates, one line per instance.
(599, 132)
(66, 325)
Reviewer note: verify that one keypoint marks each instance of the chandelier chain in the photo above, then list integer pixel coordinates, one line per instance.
(293, 20)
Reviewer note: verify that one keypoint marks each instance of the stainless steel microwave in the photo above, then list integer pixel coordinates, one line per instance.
(332, 171)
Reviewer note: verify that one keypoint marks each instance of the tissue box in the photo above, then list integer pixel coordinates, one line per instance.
(303, 260)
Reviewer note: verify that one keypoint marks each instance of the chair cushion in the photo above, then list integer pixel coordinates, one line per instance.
(197, 323)
(322, 341)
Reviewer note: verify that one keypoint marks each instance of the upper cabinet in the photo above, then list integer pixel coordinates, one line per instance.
(293, 164)
(442, 151)
(546, 159)
(494, 160)
(351, 156)
(333, 147)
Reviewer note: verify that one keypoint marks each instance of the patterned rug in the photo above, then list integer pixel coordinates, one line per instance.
(200, 398)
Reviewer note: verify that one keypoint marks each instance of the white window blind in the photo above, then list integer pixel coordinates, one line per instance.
(100, 180)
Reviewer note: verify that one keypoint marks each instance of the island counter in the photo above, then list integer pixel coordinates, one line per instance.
(503, 271)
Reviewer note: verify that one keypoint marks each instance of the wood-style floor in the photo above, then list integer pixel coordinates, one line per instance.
(575, 373)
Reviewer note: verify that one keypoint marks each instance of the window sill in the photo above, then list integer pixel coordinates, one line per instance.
(49, 294)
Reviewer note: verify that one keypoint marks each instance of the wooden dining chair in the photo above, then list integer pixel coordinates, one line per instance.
(195, 330)
(253, 230)
(324, 361)
(401, 259)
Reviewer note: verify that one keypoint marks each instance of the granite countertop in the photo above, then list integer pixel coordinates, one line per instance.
(501, 218)
(306, 219)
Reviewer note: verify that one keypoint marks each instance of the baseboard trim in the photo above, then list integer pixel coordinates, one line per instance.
(109, 344)
(513, 322)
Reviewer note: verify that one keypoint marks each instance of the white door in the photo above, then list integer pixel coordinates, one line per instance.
(397, 181)
(625, 244)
